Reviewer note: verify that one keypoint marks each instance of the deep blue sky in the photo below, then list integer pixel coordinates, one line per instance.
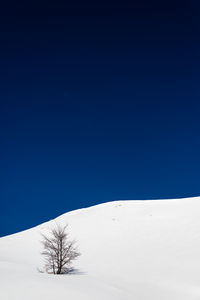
(97, 104)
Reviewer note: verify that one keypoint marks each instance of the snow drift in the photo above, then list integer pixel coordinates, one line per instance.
(130, 250)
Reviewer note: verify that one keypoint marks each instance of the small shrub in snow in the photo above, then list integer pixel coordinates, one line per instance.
(58, 250)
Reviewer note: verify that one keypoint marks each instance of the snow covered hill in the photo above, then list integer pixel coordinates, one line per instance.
(131, 250)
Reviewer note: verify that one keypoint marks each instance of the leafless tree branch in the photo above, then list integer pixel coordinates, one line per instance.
(58, 250)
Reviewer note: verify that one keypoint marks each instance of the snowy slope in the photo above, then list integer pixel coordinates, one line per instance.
(131, 250)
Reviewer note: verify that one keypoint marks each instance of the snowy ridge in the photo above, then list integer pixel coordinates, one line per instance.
(130, 250)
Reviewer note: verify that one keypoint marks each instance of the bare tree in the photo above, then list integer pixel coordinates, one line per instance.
(58, 250)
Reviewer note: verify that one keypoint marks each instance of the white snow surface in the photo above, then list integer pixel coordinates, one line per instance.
(130, 250)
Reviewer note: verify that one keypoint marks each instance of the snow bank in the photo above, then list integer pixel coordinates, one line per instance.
(130, 250)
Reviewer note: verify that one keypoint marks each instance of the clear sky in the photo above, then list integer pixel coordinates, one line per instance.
(97, 104)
